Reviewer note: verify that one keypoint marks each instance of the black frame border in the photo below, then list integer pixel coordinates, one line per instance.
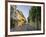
(6, 17)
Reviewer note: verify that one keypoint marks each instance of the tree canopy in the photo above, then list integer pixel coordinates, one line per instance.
(35, 15)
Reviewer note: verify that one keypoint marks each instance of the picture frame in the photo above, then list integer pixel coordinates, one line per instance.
(8, 5)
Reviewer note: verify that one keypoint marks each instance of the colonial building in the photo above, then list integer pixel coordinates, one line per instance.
(20, 18)
(17, 17)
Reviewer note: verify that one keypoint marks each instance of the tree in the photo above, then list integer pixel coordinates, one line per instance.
(12, 15)
(35, 15)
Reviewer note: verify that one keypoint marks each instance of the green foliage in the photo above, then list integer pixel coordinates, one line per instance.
(35, 15)
(35, 12)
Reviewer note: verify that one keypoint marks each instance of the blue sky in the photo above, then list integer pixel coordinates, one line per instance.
(25, 9)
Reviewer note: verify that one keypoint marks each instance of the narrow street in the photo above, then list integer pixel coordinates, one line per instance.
(25, 27)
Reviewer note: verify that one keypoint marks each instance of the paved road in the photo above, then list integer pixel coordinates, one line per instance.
(25, 27)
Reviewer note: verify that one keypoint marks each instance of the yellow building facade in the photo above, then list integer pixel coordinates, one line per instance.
(21, 18)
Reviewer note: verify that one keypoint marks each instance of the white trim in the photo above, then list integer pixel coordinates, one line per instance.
(24, 32)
